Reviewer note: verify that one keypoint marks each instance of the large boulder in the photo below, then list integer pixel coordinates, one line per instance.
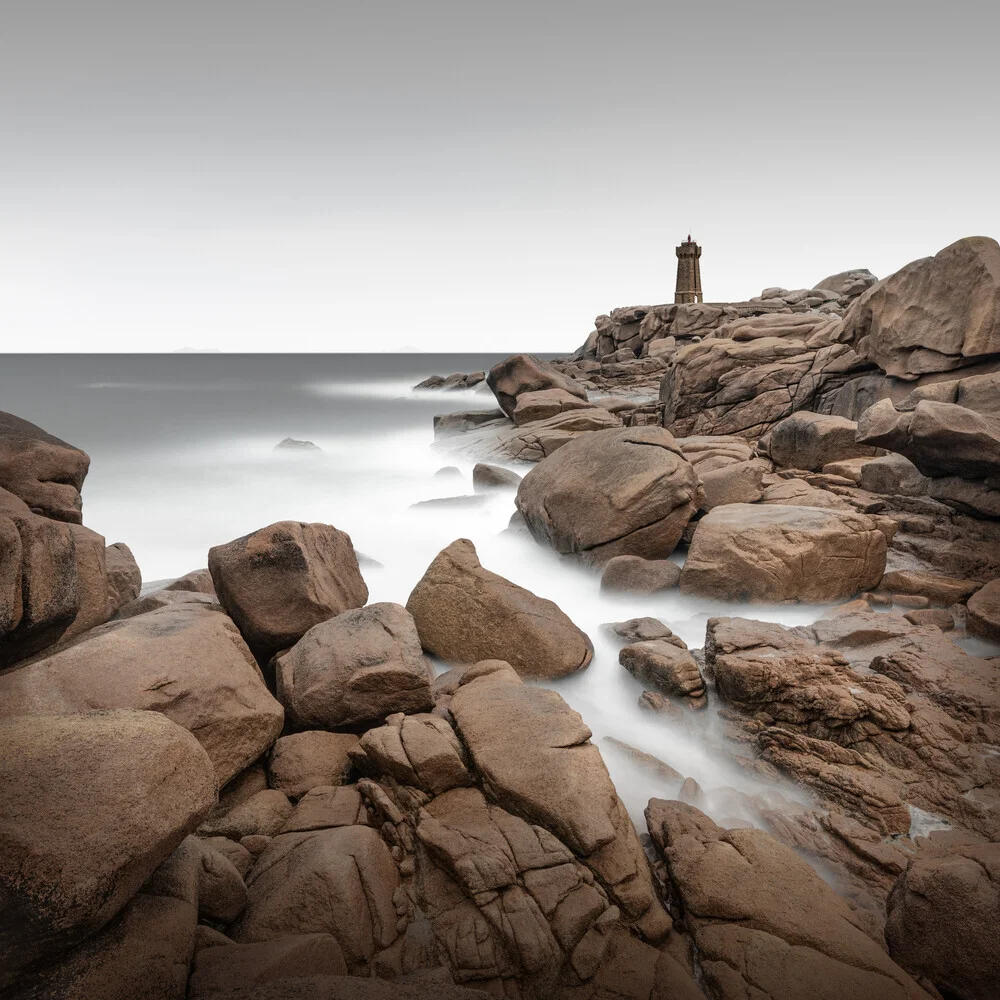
(773, 552)
(124, 579)
(534, 754)
(278, 582)
(545, 403)
(523, 373)
(984, 611)
(355, 668)
(763, 923)
(90, 806)
(811, 440)
(185, 661)
(942, 917)
(464, 613)
(940, 439)
(848, 284)
(934, 315)
(303, 761)
(612, 493)
(46, 473)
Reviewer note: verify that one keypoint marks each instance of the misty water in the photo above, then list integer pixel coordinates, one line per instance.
(183, 457)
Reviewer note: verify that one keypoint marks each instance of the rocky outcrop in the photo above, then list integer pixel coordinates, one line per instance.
(303, 761)
(848, 284)
(666, 667)
(544, 403)
(464, 613)
(635, 575)
(77, 834)
(357, 667)
(934, 315)
(984, 611)
(812, 440)
(524, 373)
(493, 477)
(124, 580)
(278, 582)
(157, 662)
(762, 921)
(942, 920)
(45, 473)
(626, 492)
(774, 552)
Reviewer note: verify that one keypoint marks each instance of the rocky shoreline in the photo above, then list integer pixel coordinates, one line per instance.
(255, 784)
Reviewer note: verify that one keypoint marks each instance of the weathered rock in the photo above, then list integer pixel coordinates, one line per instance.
(263, 814)
(157, 662)
(327, 806)
(545, 403)
(124, 580)
(78, 836)
(280, 581)
(934, 315)
(464, 613)
(893, 475)
(984, 611)
(939, 589)
(624, 492)
(658, 663)
(739, 482)
(811, 440)
(523, 373)
(166, 598)
(848, 284)
(942, 920)
(450, 424)
(303, 761)
(236, 854)
(535, 755)
(940, 439)
(359, 667)
(221, 892)
(43, 471)
(345, 988)
(218, 970)
(89, 555)
(639, 629)
(540, 439)
(708, 452)
(775, 553)
(197, 581)
(337, 881)
(493, 477)
(635, 575)
(763, 923)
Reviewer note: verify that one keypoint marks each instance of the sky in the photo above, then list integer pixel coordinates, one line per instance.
(460, 176)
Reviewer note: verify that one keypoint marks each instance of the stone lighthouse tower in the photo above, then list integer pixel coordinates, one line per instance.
(688, 272)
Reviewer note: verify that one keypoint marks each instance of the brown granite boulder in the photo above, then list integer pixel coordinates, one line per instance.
(359, 667)
(545, 403)
(635, 575)
(278, 582)
(942, 920)
(464, 613)
(660, 664)
(91, 804)
(611, 493)
(44, 472)
(124, 580)
(811, 440)
(984, 611)
(762, 921)
(738, 482)
(493, 477)
(302, 761)
(185, 661)
(773, 552)
(934, 315)
(523, 373)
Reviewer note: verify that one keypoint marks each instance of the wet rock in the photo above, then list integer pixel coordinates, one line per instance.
(44, 472)
(524, 373)
(278, 582)
(542, 438)
(493, 477)
(811, 440)
(639, 629)
(464, 613)
(635, 575)
(303, 761)
(942, 920)
(934, 315)
(157, 662)
(762, 921)
(984, 611)
(124, 580)
(77, 834)
(937, 588)
(450, 424)
(337, 881)
(535, 755)
(623, 492)
(753, 552)
(660, 664)
(358, 667)
(938, 617)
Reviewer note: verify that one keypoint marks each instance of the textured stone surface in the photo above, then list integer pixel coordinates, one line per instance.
(611, 493)
(811, 440)
(635, 575)
(358, 667)
(464, 613)
(984, 611)
(124, 580)
(775, 553)
(302, 761)
(278, 582)
(523, 373)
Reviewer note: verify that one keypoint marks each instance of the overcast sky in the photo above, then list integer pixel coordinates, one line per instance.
(330, 176)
